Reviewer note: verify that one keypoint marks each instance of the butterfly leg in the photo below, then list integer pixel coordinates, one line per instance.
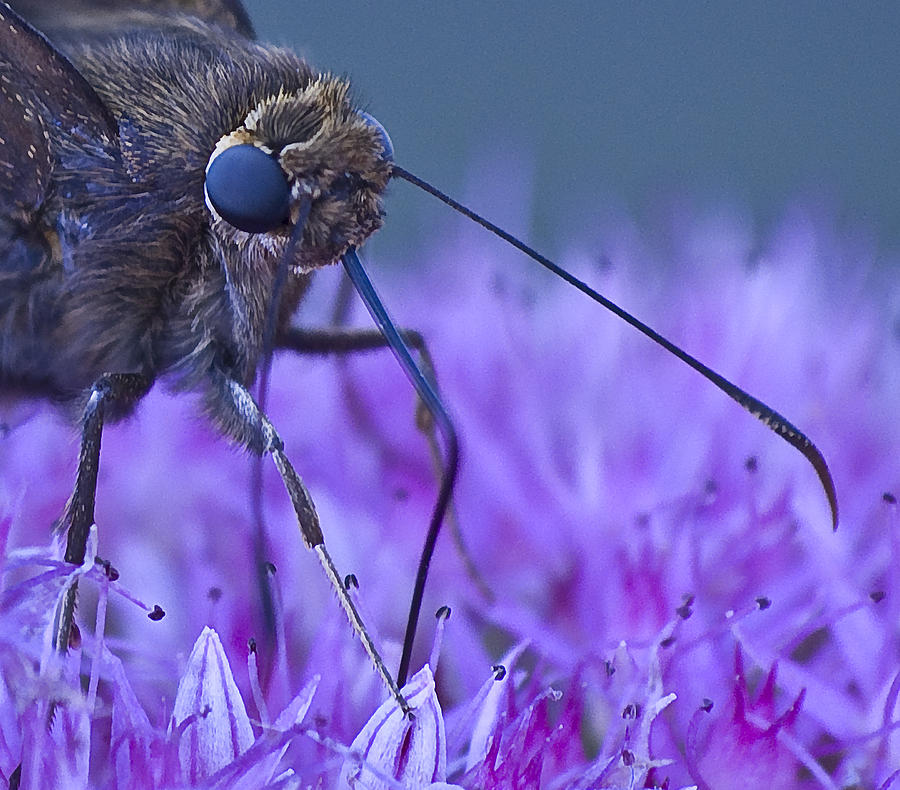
(341, 341)
(344, 341)
(120, 391)
(235, 410)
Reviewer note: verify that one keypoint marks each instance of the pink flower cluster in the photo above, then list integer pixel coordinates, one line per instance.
(646, 591)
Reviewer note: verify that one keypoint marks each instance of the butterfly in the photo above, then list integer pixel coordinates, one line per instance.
(169, 187)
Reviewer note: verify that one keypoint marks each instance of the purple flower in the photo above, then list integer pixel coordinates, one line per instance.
(628, 531)
(745, 746)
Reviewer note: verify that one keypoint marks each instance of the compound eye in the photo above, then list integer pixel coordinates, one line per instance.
(386, 144)
(248, 189)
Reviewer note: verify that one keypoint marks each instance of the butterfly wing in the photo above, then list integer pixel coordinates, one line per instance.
(41, 93)
(82, 19)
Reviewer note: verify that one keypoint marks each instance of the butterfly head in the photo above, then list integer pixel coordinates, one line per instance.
(310, 146)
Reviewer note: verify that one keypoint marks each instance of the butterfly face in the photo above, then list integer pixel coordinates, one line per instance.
(308, 146)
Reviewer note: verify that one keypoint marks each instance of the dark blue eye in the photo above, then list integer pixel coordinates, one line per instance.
(248, 189)
(386, 143)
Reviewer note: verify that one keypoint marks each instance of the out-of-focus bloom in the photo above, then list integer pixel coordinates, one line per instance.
(633, 530)
(744, 747)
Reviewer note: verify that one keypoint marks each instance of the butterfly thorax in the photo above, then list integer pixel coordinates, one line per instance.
(150, 278)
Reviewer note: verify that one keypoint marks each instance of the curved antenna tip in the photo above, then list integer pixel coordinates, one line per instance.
(812, 454)
(828, 484)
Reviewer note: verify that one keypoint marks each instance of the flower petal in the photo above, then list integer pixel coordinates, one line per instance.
(393, 746)
(209, 713)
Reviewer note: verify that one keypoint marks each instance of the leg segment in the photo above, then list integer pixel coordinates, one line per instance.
(121, 391)
(430, 411)
(342, 341)
(253, 428)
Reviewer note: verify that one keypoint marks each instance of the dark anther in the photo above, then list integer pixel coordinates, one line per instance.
(627, 757)
(751, 464)
(214, 594)
(631, 711)
(877, 596)
(610, 668)
(109, 571)
(499, 671)
(707, 705)
(763, 603)
(684, 611)
(251, 644)
(74, 637)
(443, 613)
(271, 569)
(888, 497)
(157, 614)
(667, 642)
(710, 487)
(351, 582)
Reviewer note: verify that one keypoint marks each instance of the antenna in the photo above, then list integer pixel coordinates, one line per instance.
(769, 417)
(427, 392)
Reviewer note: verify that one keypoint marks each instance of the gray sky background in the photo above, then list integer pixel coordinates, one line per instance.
(756, 104)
